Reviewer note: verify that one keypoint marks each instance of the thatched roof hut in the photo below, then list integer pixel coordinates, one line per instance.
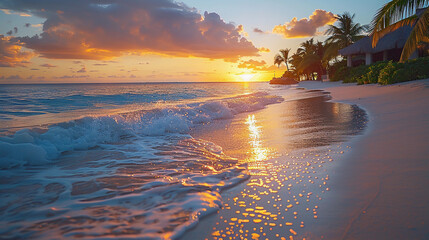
(388, 47)
(390, 41)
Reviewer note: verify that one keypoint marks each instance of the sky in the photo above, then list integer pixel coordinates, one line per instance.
(64, 41)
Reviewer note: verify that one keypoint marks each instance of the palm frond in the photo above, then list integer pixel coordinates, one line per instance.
(418, 34)
(393, 12)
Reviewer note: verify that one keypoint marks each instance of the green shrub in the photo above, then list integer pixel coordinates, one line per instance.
(401, 72)
(420, 67)
(339, 74)
(374, 71)
(400, 75)
(355, 73)
(337, 71)
(386, 74)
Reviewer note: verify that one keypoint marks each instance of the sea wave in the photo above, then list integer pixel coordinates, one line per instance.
(40, 146)
(159, 196)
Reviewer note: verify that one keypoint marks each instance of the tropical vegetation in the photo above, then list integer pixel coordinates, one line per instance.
(282, 57)
(398, 13)
(345, 34)
(313, 58)
(385, 72)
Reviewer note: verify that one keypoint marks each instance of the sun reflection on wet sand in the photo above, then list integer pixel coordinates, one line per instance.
(258, 153)
(288, 184)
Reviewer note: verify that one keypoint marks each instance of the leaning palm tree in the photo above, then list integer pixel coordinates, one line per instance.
(398, 13)
(282, 57)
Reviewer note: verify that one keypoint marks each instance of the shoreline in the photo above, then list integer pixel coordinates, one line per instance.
(381, 192)
(373, 194)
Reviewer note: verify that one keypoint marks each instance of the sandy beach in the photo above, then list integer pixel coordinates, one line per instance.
(379, 188)
(381, 193)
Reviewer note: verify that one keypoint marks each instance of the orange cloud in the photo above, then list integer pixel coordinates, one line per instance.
(47, 65)
(305, 27)
(11, 53)
(87, 30)
(264, 49)
(256, 65)
(8, 12)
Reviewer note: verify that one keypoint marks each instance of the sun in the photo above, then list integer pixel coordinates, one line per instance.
(247, 77)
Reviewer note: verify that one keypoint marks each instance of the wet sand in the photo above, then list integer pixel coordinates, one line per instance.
(290, 150)
(382, 191)
(372, 187)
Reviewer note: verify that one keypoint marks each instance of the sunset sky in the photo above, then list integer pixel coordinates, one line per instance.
(47, 41)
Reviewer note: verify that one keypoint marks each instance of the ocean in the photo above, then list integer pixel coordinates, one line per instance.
(146, 160)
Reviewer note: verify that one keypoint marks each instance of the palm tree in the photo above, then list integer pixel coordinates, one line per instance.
(295, 60)
(347, 32)
(398, 13)
(282, 57)
(306, 47)
(311, 58)
(344, 34)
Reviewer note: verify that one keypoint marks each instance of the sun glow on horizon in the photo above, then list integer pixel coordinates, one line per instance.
(247, 77)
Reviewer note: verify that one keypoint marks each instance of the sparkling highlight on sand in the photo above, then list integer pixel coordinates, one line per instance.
(282, 195)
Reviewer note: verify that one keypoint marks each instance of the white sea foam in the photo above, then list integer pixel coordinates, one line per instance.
(30, 147)
(149, 194)
(132, 175)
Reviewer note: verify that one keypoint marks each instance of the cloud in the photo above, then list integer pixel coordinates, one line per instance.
(47, 65)
(257, 30)
(109, 28)
(264, 49)
(256, 65)
(8, 12)
(251, 64)
(72, 76)
(305, 27)
(32, 77)
(14, 77)
(82, 70)
(11, 53)
(11, 78)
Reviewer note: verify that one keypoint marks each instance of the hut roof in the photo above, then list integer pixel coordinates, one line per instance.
(395, 39)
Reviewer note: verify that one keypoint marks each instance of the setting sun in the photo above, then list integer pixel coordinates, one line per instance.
(247, 77)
